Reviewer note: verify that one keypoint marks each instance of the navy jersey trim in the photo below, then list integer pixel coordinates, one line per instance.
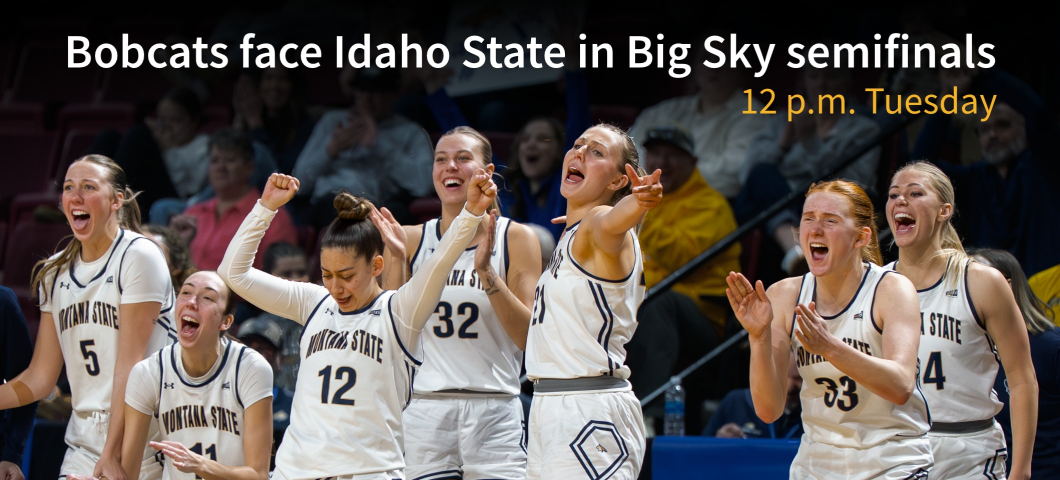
(507, 261)
(365, 308)
(852, 299)
(121, 289)
(161, 374)
(239, 362)
(795, 311)
(872, 306)
(113, 249)
(305, 326)
(937, 283)
(438, 232)
(171, 332)
(220, 368)
(390, 308)
(927, 407)
(423, 235)
(604, 337)
(594, 277)
(968, 294)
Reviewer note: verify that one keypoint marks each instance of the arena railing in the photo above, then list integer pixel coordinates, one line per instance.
(891, 125)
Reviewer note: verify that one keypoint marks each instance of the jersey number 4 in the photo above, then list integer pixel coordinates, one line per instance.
(445, 315)
(933, 372)
(831, 397)
(325, 388)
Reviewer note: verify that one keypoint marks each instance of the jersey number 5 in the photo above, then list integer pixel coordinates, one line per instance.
(342, 372)
(831, 397)
(93, 365)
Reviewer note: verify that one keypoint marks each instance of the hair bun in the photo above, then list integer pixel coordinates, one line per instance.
(352, 208)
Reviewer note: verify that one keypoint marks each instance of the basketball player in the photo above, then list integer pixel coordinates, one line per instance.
(211, 397)
(967, 310)
(854, 331)
(107, 276)
(360, 347)
(466, 419)
(585, 419)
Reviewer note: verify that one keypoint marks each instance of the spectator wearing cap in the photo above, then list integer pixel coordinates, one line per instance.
(691, 217)
(366, 149)
(287, 261)
(266, 338)
(210, 226)
(721, 133)
(787, 156)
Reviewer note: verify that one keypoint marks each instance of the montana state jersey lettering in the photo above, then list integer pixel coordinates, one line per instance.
(354, 380)
(958, 362)
(835, 409)
(465, 347)
(85, 301)
(581, 323)
(204, 414)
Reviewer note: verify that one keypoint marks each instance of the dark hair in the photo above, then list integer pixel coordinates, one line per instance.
(1034, 310)
(630, 156)
(283, 124)
(188, 100)
(485, 150)
(128, 218)
(232, 140)
(352, 230)
(277, 251)
(179, 253)
(513, 174)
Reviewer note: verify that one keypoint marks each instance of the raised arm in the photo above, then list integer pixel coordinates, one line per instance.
(416, 300)
(762, 314)
(892, 374)
(609, 227)
(292, 300)
(996, 306)
(511, 297)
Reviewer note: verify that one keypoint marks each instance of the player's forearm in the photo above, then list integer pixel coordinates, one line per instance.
(1023, 398)
(36, 387)
(419, 297)
(625, 215)
(767, 393)
(212, 470)
(886, 378)
(394, 270)
(513, 315)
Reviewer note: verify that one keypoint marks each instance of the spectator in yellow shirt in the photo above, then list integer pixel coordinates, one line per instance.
(1046, 286)
(684, 323)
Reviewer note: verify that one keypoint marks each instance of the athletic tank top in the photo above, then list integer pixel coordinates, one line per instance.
(205, 416)
(85, 302)
(464, 345)
(354, 381)
(581, 323)
(836, 410)
(958, 361)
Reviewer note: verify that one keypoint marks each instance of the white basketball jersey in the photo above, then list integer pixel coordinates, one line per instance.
(85, 302)
(581, 323)
(354, 380)
(206, 416)
(958, 361)
(464, 345)
(836, 410)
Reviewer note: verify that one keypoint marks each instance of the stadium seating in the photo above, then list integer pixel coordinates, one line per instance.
(22, 116)
(27, 155)
(42, 76)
